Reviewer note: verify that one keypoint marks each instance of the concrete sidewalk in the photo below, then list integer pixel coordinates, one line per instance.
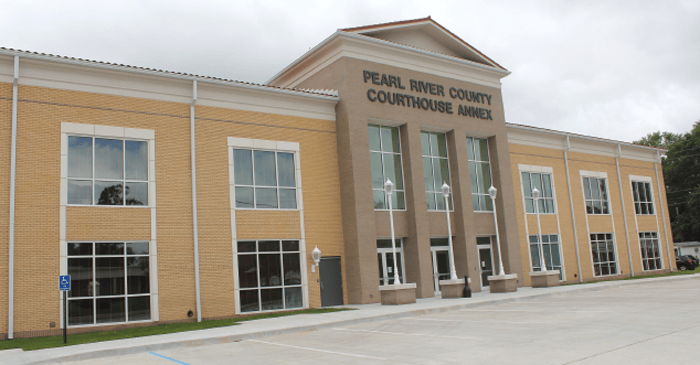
(299, 323)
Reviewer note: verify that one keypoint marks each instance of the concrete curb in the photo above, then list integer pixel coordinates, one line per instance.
(131, 346)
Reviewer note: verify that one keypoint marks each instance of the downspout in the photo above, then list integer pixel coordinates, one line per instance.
(571, 204)
(194, 203)
(624, 211)
(13, 169)
(663, 213)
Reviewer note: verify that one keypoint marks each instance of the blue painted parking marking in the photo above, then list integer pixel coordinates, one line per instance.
(167, 358)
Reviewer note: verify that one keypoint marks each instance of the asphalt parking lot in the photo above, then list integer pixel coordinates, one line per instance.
(651, 323)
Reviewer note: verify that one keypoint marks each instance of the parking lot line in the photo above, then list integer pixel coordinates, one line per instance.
(319, 350)
(168, 358)
(487, 321)
(408, 334)
(528, 310)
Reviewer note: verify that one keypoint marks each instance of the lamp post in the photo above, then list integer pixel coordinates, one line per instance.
(446, 194)
(316, 256)
(492, 194)
(536, 195)
(389, 190)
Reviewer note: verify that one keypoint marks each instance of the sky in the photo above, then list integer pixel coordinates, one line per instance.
(611, 69)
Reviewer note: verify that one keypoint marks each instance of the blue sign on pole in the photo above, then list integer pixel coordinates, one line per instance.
(64, 282)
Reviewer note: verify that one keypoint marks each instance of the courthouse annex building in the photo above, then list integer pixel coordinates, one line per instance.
(171, 197)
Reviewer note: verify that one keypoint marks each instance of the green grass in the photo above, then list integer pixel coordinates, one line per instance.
(28, 344)
(675, 273)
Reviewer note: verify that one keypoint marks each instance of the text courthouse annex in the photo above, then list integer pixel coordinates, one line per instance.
(171, 197)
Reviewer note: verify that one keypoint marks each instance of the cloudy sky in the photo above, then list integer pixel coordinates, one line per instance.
(613, 69)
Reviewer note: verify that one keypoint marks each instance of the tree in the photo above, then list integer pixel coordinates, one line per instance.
(681, 169)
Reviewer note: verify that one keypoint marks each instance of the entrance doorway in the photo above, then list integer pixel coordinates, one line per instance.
(485, 259)
(385, 258)
(440, 251)
(331, 281)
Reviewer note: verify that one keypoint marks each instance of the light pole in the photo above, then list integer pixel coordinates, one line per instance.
(492, 194)
(389, 190)
(446, 194)
(316, 256)
(536, 195)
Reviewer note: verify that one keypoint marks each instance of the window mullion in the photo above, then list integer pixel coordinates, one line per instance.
(126, 282)
(94, 285)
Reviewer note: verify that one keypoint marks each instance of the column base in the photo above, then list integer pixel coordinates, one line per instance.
(503, 283)
(453, 288)
(544, 279)
(398, 294)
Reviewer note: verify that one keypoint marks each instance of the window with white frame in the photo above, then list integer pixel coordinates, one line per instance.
(596, 194)
(552, 253)
(643, 200)
(110, 282)
(543, 183)
(107, 171)
(264, 179)
(480, 173)
(385, 154)
(269, 275)
(651, 255)
(436, 169)
(603, 253)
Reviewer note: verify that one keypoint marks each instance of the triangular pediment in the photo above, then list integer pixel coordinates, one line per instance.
(425, 34)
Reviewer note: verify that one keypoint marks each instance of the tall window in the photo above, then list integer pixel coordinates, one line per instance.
(552, 256)
(543, 183)
(436, 168)
(596, 195)
(480, 173)
(651, 255)
(264, 179)
(603, 252)
(643, 200)
(269, 275)
(104, 171)
(110, 282)
(385, 152)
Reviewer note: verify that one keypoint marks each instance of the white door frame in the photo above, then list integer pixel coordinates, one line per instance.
(433, 251)
(479, 247)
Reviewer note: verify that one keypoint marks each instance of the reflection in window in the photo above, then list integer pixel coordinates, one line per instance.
(110, 282)
(264, 179)
(643, 200)
(480, 173)
(436, 169)
(552, 253)
(385, 154)
(543, 183)
(104, 171)
(651, 255)
(269, 275)
(596, 195)
(603, 252)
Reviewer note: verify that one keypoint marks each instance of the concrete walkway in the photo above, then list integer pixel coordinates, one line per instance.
(300, 323)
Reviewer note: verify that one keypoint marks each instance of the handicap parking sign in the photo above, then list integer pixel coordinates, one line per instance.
(64, 282)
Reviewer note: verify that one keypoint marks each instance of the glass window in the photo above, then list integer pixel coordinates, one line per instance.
(110, 282)
(105, 171)
(480, 173)
(543, 183)
(385, 156)
(596, 194)
(385, 259)
(603, 253)
(643, 200)
(436, 168)
(651, 255)
(264, 179)
(269, 275)
(552, 253)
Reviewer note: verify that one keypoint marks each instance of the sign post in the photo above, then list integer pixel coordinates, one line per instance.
(64, 286)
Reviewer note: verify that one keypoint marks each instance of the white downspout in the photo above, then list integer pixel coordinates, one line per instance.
(571, 204)
(13, 169)
(624, 211)
(194, 203)
(663, 212)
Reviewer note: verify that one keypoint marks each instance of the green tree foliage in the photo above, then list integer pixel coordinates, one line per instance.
(681, 169)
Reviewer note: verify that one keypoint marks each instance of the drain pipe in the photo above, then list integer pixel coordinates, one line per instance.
(194, 203)
(661, 204)
(571, 204)
(13, 169)
(624, 211)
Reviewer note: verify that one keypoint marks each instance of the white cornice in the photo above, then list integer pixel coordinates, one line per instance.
(344, 44)
(88, 76)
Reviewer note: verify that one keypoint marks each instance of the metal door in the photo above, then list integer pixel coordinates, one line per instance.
(485, 265)
(441, 266)
(331, 281)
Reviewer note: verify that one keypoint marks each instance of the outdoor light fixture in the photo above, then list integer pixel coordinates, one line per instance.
(446, 194)
(316, 256)
(389, 190)
(536, 196)
(492, 194)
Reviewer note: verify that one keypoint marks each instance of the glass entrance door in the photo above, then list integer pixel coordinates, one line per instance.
(441, 266)
(385, 259)
(485, 264)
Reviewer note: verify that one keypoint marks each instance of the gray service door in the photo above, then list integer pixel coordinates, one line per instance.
(331, 282)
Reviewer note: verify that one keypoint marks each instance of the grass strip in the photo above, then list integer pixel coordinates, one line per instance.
(28, 344)
(675, 273)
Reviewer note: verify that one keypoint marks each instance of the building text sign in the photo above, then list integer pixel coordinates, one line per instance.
(401, 98)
